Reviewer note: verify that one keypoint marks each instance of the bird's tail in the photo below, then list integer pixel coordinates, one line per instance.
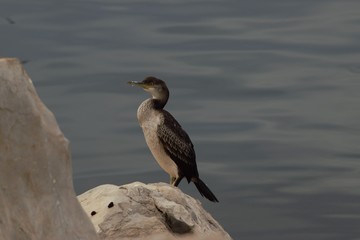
(204, 190)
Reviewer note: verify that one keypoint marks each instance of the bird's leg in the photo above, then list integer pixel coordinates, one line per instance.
(177, 181)
(172, 180)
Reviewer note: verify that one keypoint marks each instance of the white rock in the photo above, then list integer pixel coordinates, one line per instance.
(152, 211)
(37, 200)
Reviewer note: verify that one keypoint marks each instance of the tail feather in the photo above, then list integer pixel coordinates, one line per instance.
(204, 190)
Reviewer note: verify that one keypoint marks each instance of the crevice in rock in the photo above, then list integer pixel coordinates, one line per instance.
(5, 109)
(173, 224)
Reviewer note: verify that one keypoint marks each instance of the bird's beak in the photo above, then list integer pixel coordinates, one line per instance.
(139, 84)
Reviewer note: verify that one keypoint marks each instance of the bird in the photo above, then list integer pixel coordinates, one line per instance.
(168, 142)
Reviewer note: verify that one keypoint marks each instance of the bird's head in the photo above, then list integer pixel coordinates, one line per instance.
(156, 87)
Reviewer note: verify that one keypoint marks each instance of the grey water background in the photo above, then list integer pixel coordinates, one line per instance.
(267, 90)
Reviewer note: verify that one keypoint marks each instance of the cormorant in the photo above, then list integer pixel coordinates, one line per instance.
(168, 142)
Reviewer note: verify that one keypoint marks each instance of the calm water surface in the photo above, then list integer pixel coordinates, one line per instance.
(267, 90)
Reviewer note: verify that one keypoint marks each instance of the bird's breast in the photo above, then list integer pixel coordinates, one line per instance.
(149, 121)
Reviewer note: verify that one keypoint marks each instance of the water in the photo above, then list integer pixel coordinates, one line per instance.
(267, 90)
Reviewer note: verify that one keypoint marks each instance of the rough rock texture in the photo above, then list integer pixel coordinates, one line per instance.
(37, 200)
(138, 211)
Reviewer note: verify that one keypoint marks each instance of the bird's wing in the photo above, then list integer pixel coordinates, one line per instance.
(178, 145)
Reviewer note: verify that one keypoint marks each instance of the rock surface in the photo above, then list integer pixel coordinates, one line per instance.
(37, 200)
(140, 211)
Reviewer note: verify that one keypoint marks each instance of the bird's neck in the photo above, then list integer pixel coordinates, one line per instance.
(160, 99)
(148, 109)
(159, 103)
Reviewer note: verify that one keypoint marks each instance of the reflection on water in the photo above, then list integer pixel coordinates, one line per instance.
(267, 90)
